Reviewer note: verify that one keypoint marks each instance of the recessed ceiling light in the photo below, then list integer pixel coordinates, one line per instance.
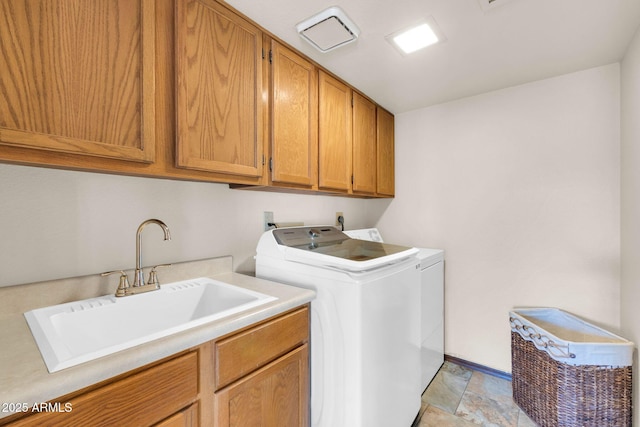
(416, 37)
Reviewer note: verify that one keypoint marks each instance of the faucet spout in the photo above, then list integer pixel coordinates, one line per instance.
(139, 275)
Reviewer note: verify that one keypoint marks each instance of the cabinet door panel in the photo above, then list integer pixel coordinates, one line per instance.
(274, 396)
(334, 133)
(79, 77)
(219, 93)
(364, 145)
(185, 418)
(386, 172)
(294, 137)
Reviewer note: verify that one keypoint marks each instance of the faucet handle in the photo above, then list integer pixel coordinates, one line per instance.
(123, 286)
(153, 276)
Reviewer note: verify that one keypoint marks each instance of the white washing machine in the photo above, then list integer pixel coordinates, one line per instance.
(432, 306)
(365, 335)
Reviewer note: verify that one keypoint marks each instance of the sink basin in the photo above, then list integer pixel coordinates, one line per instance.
(76, 332)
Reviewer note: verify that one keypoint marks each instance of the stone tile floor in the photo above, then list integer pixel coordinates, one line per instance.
(459, 397)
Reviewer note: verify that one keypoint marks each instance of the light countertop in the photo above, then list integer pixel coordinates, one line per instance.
(24, 377)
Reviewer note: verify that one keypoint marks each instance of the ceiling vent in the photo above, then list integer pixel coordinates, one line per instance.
(488, 5)
(328, 29)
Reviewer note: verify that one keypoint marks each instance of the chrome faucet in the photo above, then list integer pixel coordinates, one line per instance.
(138, 287)
(139, 274)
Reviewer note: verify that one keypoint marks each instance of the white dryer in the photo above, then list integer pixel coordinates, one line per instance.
(432, 305)
(365, 336)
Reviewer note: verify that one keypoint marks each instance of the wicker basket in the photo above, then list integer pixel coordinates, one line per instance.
(553, 390)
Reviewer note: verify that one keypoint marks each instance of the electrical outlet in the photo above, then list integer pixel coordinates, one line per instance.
(338, 215)
(268, 219)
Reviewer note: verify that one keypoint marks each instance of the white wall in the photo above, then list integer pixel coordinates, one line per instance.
(521, 187)
(630, 195)
(56, 224)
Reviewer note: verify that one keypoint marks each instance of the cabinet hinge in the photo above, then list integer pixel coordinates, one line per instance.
(262, 53)
(351, 101)
(270, 56)
(263, 160)
(351, 179)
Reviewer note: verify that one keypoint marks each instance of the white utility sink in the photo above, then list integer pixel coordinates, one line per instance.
(77, 332)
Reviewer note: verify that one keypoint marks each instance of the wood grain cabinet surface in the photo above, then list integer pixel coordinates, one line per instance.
(294, 117)
(276, 395)
(219, 89)
(365, 144)
(186, 418)
(141, 399)
(355, 141)
(79, 79)
(385, 157)
(242, 353)
(334, 133)
(262, 374)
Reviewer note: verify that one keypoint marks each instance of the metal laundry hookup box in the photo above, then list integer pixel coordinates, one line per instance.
(569, 373)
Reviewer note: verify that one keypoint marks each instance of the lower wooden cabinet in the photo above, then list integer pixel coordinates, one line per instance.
(274, 396)
(142, 399)
(262, 374)
(258, 376)
(242, 353)
(186, 418)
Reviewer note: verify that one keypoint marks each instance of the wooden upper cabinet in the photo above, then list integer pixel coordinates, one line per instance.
(294, 115)
(78, 77)
(182, 89)
(334, 134)
(219, 90)
(364, 145)
(386, 172)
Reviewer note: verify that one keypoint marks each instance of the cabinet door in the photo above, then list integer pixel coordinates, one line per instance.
(334, 133)
(219, 90)
(364, 145)
(275, 396)
(185, 418)
(294, 115)
(78, 77)
(386, 173)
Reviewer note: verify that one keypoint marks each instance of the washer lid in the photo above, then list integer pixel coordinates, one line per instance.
(328, 246)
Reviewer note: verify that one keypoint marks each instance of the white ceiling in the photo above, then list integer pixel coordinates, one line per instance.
(517, 42)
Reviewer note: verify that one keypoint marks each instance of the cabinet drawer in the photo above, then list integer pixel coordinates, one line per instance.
(240, 354)
(142, 399)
